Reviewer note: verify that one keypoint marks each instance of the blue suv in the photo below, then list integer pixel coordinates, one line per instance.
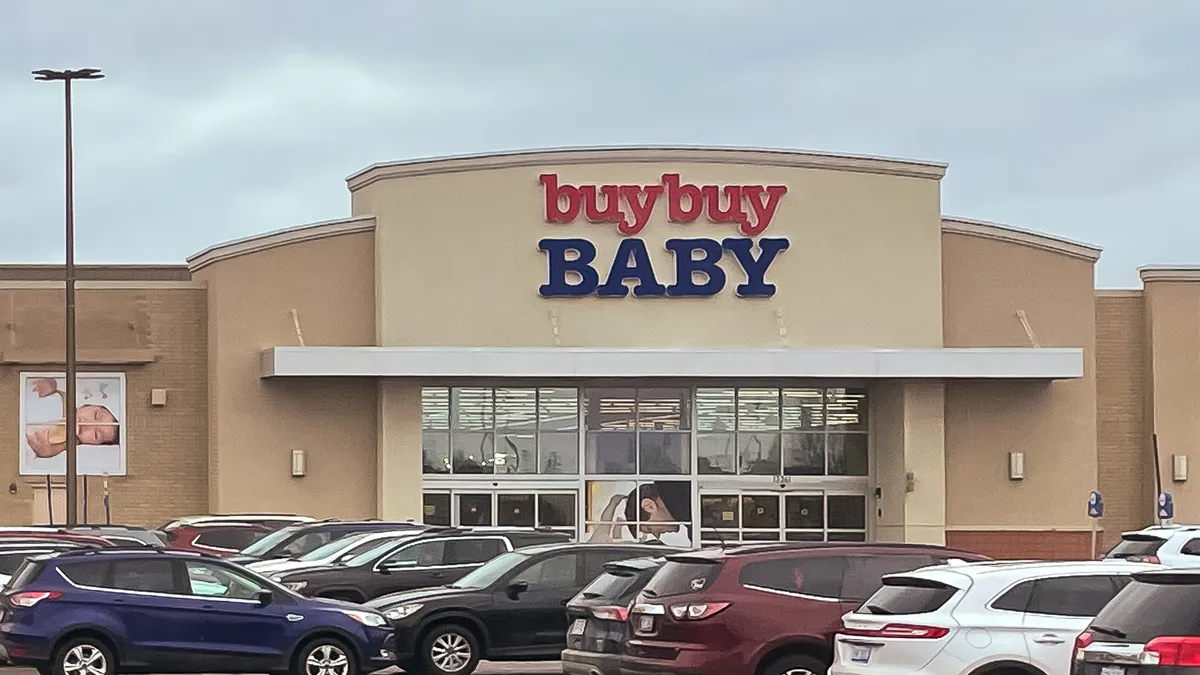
(108, 611)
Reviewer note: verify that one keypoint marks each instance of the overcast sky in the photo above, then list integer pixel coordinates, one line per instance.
(221, 119)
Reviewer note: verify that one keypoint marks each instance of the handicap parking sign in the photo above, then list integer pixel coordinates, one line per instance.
(1166, 506)
(1095, 505)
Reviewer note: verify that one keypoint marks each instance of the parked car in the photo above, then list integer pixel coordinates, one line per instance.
(272, 521)
(433, 558)
(760, 608)
(121, 535)
(105, 612)
(223, 538)
(927, 620)
(294, 541)
(1150, 628)
(335, 552)
(599, 617)
(41, 534)
(511, 609)
(13, 553)
(1170, 545)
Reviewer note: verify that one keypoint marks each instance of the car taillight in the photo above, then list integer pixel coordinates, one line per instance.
(697, 610)
(611, 613)
(31, 598)
(1081, 642)
(1172, 651)
(900, 630)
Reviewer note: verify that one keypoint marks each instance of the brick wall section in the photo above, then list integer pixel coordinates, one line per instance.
(1026, 545)
(1125, 462)
(166, 461)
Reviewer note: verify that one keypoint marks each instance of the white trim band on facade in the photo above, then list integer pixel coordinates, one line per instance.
(974, 363)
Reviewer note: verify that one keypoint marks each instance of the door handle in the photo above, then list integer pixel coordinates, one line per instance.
(1049, 639)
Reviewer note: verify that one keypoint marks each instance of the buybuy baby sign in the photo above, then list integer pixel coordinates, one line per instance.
(745, 210)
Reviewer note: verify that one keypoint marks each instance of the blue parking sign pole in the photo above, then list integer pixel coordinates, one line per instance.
(1095, 511)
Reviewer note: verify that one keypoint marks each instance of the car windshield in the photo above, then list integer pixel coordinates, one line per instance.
(491, 571)
(371, 545)
(270, 541)
(332, 549)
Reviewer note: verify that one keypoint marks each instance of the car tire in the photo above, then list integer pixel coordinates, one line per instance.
(326, 655)
(70, 656)
(796, 665)
(449, 649)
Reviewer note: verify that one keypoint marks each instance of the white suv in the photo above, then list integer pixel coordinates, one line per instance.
(969, 617)
(1171, 545)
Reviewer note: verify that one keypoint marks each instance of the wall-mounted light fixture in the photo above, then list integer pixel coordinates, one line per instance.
(1016, 466)
(299, 463)
(1179, 468)
(158, 397)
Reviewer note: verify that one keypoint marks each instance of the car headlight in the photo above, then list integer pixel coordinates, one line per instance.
(403, 611)
(365, 618)
(295, 585)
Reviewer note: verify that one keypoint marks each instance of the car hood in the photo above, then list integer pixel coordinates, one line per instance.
(308, 570)
(386, 602)
(329, 603)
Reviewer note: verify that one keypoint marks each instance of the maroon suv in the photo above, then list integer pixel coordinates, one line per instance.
(768, 609)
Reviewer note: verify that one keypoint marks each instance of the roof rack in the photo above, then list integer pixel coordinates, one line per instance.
(140, 549)
(91, 526)
(746, 548)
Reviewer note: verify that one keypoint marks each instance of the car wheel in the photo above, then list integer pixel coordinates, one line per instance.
(450, 649)
(325, 656)
(796, 665)
(84, 656)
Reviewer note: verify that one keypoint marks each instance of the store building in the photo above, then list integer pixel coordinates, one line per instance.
(685, 343)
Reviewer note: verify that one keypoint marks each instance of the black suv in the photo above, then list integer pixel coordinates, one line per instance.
(296, 540)
(1150, 628)
(433, 558)
(511, 609)
(599, 617)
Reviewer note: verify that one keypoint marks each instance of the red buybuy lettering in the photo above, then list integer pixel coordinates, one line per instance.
(750, 207)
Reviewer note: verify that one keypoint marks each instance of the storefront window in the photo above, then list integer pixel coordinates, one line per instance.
(502, 430)
(469, 508)
(629, 511)
(746, 516)
(791, 431)
(638, 431)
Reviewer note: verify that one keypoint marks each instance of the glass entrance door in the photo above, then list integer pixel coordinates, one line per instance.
(759, 515)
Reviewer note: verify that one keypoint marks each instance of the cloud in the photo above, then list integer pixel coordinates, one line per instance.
(224, 118)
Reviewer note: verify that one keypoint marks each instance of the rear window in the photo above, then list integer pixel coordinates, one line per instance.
(678, 578)
(908, 596)
(1136, 546)
(1144, 611)
(25, 575)
(612, 584)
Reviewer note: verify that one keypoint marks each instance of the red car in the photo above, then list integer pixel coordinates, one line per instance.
(222, 537)
(768, 609)
(41, 534)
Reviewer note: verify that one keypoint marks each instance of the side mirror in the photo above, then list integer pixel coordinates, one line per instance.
(516, 588)
(265, 598)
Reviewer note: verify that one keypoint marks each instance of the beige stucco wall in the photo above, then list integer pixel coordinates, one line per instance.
(254, 423)
(986, 281)
(456, 245)
(1173, 321)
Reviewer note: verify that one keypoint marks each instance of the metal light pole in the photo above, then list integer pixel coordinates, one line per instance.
(66, 77)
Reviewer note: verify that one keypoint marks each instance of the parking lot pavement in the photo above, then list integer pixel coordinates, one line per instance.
(485, 668)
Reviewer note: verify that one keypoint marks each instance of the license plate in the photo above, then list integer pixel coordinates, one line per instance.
(863, 654)
(645, 624)
(578, 626)
(1112, 670)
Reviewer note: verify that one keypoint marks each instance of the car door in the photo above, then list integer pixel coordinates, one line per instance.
(1059, 609)
(238, 632)
(530, 609)
(148, 596)
(413, 565)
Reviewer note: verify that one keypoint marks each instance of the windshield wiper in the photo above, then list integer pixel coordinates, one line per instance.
(1115, 632)
(650, 593)
(876, 609)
